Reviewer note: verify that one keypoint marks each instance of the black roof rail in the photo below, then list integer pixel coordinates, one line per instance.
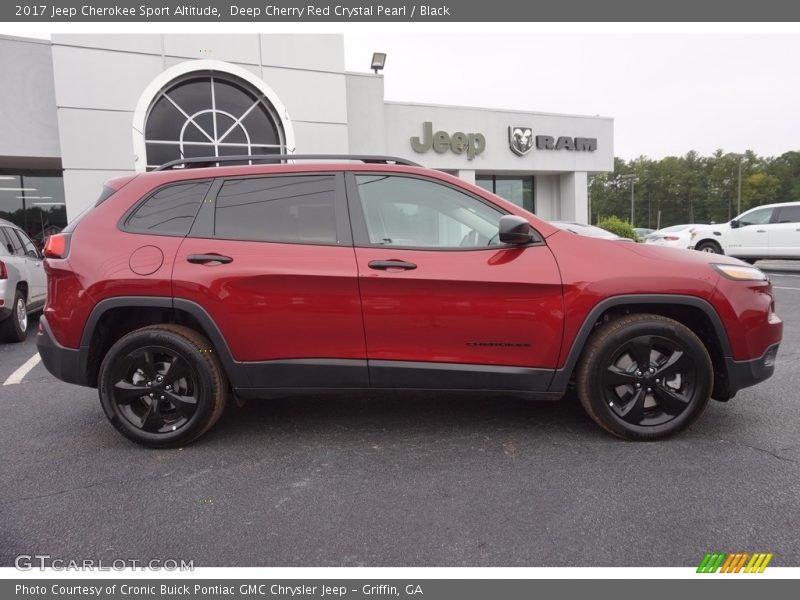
(208, 161)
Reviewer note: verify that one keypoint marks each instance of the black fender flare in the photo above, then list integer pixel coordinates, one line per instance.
(562, 376)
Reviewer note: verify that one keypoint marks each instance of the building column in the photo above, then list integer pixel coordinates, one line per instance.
(466, 175)
(574, 197)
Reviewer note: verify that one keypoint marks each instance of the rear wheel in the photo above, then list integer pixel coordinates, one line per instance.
(15, 327)
(709, 246)
(644, 377)
(162, 386)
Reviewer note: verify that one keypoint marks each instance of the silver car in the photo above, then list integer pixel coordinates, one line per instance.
(23, 284)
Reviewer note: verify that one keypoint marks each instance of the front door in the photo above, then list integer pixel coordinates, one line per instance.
(751, 237)
(446, 305)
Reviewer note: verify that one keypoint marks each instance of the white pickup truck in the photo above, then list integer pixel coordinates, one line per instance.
(769, 231)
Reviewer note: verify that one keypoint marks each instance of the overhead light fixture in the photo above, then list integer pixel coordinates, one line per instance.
(7, 177)
(17, 189)
(34, 197)
(48, 204)
(378, 61)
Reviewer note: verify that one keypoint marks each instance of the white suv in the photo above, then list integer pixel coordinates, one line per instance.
(23, 284)
(769, 231)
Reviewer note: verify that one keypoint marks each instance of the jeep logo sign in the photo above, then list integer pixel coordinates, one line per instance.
(459, 143)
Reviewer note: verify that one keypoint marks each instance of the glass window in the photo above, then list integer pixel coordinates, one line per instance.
(789, 214)
(12, 242)
(27, 246)
(209, 115)
(296, 209)
(406, 211)
(756, 217)
(518, 190)
(34, 201)
(170, 211)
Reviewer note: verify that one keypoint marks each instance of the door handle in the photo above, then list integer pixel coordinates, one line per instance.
(382, 265)
(761, 231)
(201, 259)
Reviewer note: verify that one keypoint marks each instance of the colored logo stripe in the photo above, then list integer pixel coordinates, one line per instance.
(734, 562)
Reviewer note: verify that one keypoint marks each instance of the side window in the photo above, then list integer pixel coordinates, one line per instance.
(406, 211)
(283, 208)
(28, 248)
(170, 211)
(789, 214)
(12, 242)
(6, 247)
(757, 217)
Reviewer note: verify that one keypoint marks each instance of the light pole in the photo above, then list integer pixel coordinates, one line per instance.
(739, 191)
(633, 179)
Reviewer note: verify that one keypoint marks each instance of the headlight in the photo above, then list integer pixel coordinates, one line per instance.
(740, 273)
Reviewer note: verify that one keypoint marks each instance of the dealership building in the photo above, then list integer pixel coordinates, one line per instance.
(81, 109)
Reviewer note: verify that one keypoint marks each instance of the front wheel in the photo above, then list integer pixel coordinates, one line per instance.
(162, 386)
(644, 377)
(712, 247)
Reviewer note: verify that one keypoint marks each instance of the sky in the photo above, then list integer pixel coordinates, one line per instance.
(668, 93)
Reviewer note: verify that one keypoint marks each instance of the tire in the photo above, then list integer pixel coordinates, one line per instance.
(162, 386)
(15, 327)
(621, 379)
(709, 246)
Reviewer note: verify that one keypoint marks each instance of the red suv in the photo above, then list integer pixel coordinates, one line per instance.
(185, 287)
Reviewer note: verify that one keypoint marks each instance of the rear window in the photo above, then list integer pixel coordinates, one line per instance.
(170, 210)
(789, 214)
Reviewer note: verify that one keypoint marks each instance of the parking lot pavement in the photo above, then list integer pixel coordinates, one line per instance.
(391, 480)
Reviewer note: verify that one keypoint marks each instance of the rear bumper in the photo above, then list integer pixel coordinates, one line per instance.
(744, 373)
(63, 363)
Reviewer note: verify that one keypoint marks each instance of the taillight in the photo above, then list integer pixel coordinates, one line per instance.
(3, 270)
(57, 246)
(671, 238)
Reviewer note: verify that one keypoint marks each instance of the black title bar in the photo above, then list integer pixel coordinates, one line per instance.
(445, 11)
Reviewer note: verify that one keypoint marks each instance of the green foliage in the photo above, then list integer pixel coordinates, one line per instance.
(694, 188)
(617, 226)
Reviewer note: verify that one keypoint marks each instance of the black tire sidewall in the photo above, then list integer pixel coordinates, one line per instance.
(189, 352)
(717, 248)
(10, 330)
(669, 330)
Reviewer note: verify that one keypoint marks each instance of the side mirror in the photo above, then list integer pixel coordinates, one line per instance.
(734, 224)
(514, 230)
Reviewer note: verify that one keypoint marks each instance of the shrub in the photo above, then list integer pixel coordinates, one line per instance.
(617, 226)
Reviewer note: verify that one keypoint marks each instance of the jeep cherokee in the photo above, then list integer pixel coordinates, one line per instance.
(185, 287)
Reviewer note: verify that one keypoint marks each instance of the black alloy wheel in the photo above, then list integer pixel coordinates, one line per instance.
(644, 377)
(162, 386)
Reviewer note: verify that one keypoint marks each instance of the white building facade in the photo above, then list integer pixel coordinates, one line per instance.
(87, 108)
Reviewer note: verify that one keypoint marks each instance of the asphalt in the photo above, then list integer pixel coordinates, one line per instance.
(398, 480)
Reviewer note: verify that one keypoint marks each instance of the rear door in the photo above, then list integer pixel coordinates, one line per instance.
(445, 304)
(784, 234)
(270, 259)
(16, 259)
(37, 280)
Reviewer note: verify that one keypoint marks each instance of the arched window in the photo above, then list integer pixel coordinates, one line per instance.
(196, 112)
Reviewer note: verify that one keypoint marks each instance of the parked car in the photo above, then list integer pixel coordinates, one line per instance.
(185, 287)
(769, 231)
(676, 236)
(588, 230)
(642, 232)
(23, 284)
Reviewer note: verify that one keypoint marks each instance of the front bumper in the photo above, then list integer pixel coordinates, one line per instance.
(744, 373)
(63, 363)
